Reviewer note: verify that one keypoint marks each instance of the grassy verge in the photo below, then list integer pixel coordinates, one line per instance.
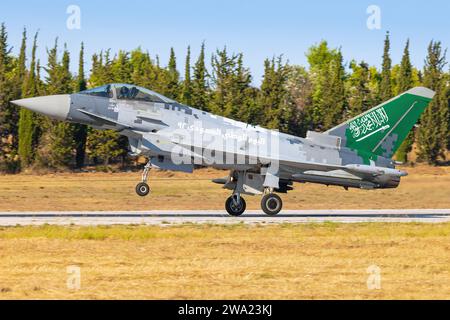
(312, 261)
(425, 187)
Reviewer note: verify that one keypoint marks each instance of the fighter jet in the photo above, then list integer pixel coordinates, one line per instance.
(177, 137)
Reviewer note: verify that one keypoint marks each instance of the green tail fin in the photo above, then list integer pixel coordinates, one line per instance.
(381, 130)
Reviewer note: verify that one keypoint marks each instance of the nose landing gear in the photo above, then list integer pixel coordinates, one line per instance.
(143, 189)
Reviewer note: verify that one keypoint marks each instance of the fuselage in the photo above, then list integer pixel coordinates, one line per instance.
(179, 137)
(164, 127)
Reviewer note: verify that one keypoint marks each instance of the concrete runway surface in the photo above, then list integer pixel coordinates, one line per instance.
(87, 218)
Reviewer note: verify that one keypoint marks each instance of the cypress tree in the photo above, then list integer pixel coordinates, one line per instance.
(385, 85)
(104, 145)
(358, 89)
(405, 77)
(120, 68)
(319, 58)
(299, 98)
(374, 86)
(80, 130)
(19, 79)
(333, 103)
(53, 70)
(187, 83)
(432, 134)
(200, 97)
(121, 71)
(102, 70)
(21, 65)
(405, 82)
(144, 72)
(273, 95)
(243, 95)
(8, 113)
(173, 77)
(222, 69)
(5, 65)
(231, 80)
(27, 120)
(56, 142)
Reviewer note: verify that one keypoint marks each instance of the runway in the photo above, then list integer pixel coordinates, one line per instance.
(165, 218)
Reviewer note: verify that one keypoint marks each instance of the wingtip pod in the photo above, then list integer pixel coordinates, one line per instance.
(422, 92)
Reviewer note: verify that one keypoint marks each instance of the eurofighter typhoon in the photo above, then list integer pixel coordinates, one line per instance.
(173, 136)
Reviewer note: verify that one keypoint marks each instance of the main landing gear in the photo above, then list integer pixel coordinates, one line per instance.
(235, 205)
(143, 189)
(271, 204)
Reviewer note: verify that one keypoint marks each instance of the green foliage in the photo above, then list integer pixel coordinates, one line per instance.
(405, 148)
(81, 84)
(56, 146)
(231, 85)
(200, 92)
(291, 98)
(121, 68)
(8, 115)
(358, 87)
(56, 142)
(172, 78)
(385, 85)
(322, 61)
(405, 81)
(144, 72)
(186, 94)
(59, 79)
(26, 135)
(275, 110)
(333, 101)
(79, 130)
(101, 72)
(28, 131)
(103, 145)
(405, 76)
(319, 56)
(433, 131)
(299, 89)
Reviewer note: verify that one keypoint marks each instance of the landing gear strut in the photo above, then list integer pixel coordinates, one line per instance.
(271, 204)
(143, 189)
(235, 205)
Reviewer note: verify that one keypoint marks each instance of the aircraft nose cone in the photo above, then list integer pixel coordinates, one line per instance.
(56, 107)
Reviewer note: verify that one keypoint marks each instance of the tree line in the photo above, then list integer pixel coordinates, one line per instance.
(291, 98)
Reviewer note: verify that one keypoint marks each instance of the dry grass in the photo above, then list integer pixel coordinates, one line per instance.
(310, 261)
(426, 187)
(326, 261)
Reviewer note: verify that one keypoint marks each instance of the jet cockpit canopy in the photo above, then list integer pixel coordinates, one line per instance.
(127, 92)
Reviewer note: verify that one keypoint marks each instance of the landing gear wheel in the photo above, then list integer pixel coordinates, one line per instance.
(271, 204)
(234, 209)
(142, 189)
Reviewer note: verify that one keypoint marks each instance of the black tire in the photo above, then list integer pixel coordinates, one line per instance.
(234, 210)
(271, 204)
(142, 189)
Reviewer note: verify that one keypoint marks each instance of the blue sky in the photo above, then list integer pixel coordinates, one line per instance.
(259, 29)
